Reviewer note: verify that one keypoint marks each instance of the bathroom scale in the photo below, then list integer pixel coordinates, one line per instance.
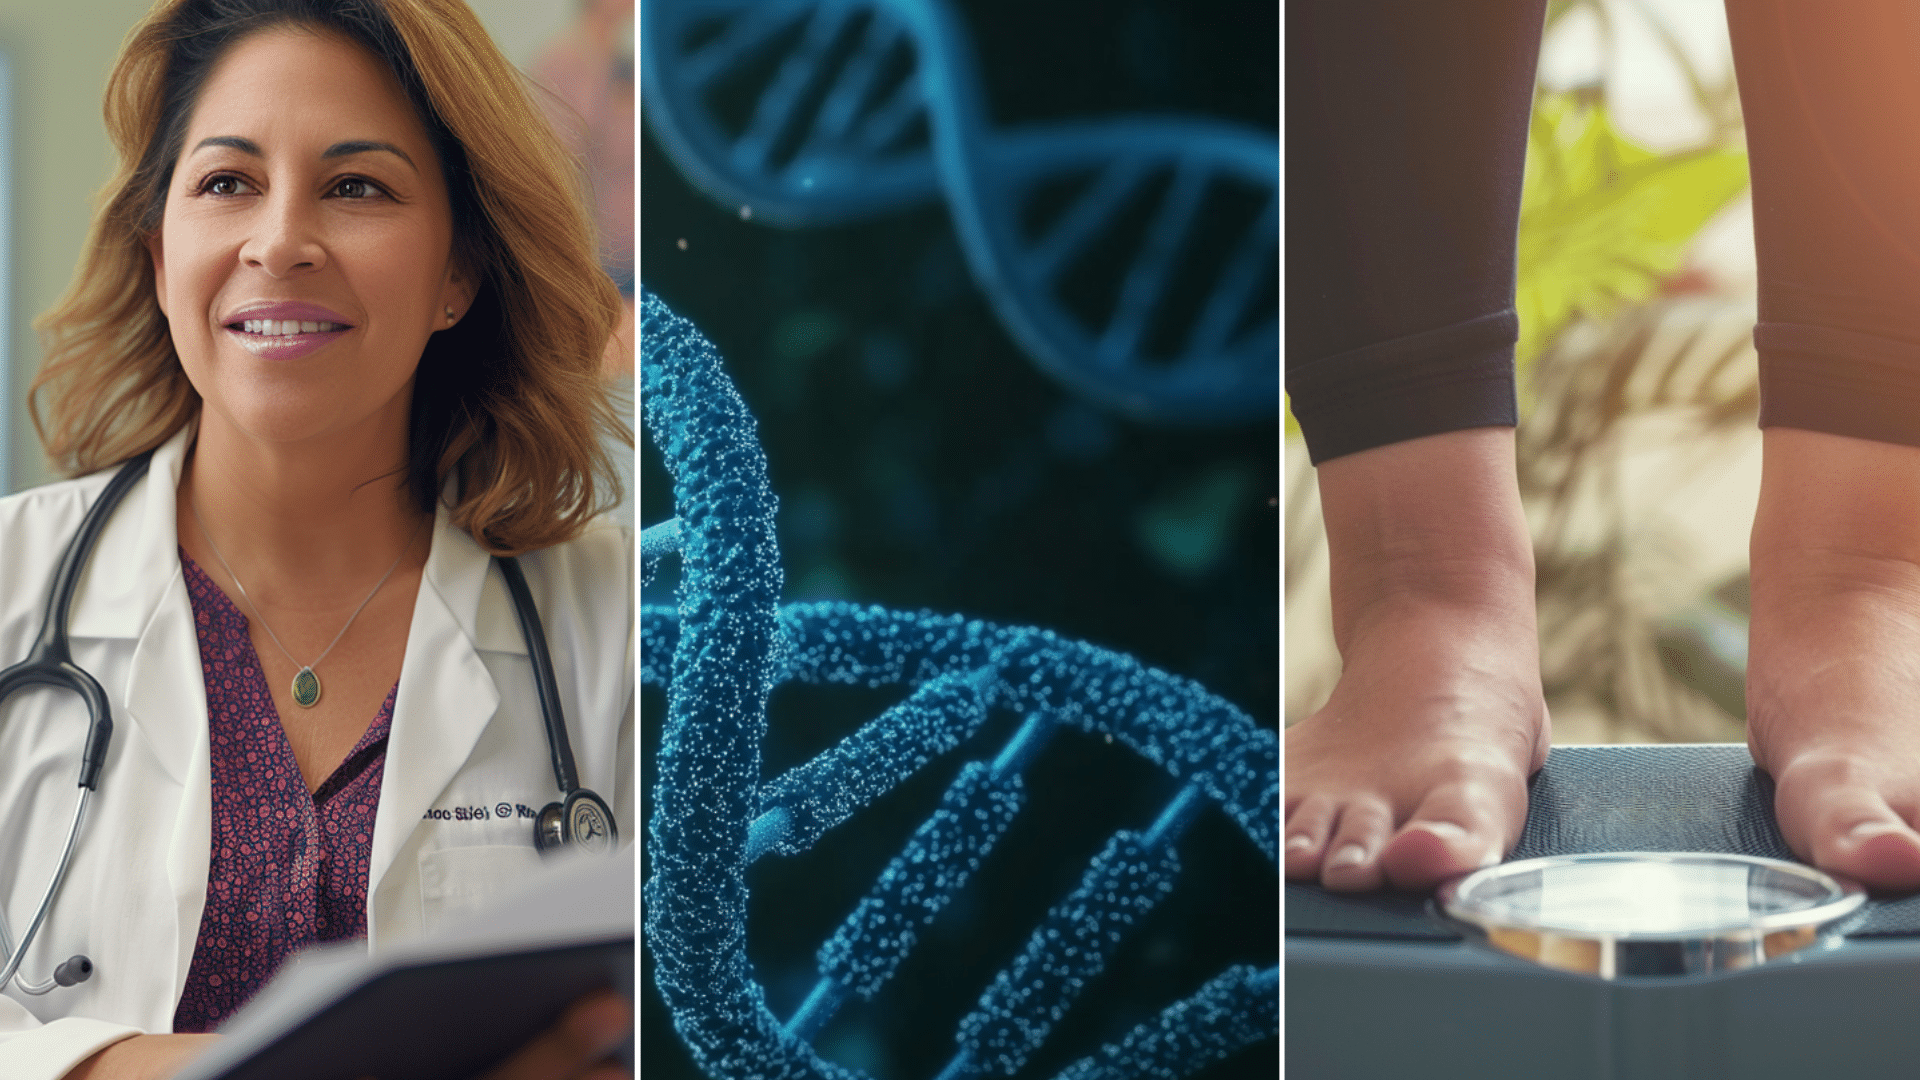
(1650, 924)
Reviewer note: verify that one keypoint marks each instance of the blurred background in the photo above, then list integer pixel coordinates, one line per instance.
(923, 462)
(1638, 452)
(54, 153)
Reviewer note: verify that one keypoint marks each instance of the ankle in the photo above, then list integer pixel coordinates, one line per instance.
(1431, 527)
(1836, 542)
(1833, 504)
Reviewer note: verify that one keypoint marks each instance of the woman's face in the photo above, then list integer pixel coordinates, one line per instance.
(305, 254)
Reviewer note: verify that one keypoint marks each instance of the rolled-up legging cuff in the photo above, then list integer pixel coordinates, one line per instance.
(1839, 382)
(1450, 379)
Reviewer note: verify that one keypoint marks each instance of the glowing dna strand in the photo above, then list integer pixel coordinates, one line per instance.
(831, 137)
(724, 646)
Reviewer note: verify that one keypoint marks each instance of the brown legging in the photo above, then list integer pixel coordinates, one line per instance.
(1406, 136)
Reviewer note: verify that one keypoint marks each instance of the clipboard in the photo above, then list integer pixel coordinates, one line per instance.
(448, 1006)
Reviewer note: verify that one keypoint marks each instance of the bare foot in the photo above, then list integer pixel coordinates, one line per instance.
(1415, 770)
(1833, 677)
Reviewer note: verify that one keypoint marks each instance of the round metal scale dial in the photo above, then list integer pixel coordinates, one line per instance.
(1651, 913)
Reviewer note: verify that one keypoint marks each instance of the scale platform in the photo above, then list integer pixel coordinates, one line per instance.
(1382, 986)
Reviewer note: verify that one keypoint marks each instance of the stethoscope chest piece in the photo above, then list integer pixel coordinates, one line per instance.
(1621, 914)
(583, 821)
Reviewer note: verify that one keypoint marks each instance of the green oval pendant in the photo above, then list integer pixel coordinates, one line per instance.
(306, 688)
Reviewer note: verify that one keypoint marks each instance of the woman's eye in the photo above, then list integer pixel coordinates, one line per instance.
(223, 185)
(354, 187)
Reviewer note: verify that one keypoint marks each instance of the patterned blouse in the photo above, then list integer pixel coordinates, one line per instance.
(288, 868)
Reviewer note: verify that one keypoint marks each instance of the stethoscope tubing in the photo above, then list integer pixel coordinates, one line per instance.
(50, 663)
(548, 688)
(14, 956)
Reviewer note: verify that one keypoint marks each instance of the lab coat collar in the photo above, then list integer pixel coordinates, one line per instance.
(132, 588)
(137, 556)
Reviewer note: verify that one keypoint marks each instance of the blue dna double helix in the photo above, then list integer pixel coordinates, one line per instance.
(726, 643)
(857, 107)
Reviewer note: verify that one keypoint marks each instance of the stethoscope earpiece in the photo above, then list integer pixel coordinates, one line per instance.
(76, 970)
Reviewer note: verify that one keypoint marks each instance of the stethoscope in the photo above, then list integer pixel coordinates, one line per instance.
(580, 818)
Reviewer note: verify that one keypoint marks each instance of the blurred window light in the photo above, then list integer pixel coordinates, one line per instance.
(6, 275)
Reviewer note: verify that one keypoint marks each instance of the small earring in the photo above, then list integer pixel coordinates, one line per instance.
(449, 316)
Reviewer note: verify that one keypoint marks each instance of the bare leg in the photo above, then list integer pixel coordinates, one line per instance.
(1416, 769)
(1406, 140)
(1833, 683)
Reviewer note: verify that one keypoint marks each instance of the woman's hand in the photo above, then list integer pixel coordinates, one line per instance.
(143, 1057)
(577, 1045)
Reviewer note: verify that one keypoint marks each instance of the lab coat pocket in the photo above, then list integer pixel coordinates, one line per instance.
(456, 881)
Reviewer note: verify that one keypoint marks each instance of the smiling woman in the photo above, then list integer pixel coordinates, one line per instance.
(112, 387)
(340, 313)
(271, 216)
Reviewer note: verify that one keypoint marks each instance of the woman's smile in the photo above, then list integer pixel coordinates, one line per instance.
(285, 331)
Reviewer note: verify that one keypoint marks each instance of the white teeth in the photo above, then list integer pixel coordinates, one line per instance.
(285, 327)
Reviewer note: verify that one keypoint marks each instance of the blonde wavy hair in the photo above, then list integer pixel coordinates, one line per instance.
(509, 403)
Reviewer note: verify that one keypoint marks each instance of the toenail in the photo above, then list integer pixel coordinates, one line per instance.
(1445, 830)
(1449, 833)
(1349, 855)
(1300, 843)
(1871, 828)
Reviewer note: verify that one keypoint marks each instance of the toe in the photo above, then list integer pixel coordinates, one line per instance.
(1883, 856)
(1308, 827)
(1353, 854)
(1849, 829)
(1458, 829)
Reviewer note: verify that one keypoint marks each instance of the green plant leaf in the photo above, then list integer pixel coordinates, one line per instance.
(1603, 221)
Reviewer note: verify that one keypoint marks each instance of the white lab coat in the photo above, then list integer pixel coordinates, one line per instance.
(466, 742)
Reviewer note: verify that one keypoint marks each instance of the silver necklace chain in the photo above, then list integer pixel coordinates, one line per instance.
(224, 565)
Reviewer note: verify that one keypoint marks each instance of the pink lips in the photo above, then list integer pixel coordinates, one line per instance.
(283, 346)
